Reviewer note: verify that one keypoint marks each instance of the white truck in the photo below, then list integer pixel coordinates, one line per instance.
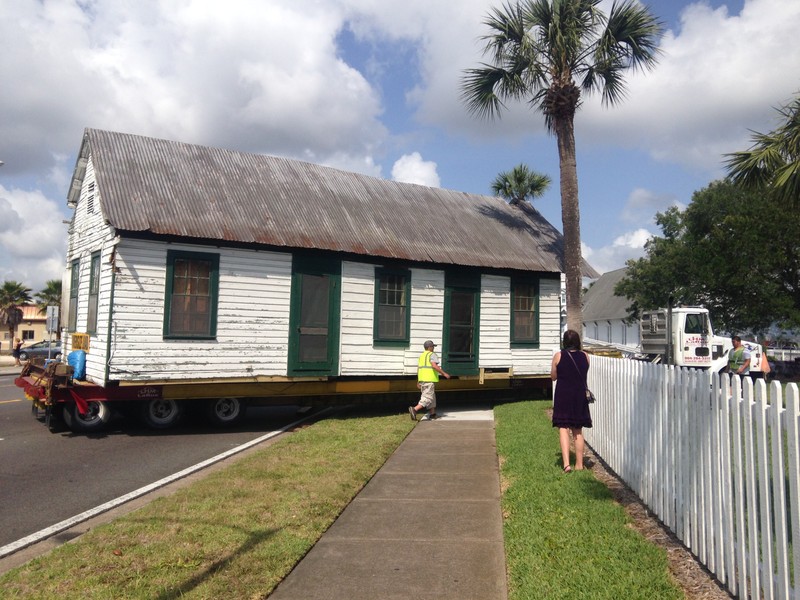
(691, 342)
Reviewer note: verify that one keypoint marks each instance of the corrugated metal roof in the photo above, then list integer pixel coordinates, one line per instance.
(176, 189)
(600, 303)
(31, 312)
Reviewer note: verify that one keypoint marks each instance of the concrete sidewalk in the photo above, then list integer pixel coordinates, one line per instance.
(428, 524)
(7, 365)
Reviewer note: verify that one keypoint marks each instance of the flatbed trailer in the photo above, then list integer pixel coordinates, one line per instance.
(59, 399)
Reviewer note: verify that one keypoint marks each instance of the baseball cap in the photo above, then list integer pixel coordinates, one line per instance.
(428, 344)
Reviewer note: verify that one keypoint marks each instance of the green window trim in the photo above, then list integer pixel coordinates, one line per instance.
(525, 314)
(392, 313)
(191, 294)
(74, 286)
(94, 293)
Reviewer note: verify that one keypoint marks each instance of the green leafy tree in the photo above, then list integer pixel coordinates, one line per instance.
(727, 252)
(773, 161)
(520, 184)
(50, 295)
(12, 296)
(549, 52)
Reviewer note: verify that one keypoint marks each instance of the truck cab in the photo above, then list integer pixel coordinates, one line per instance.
(693, 341)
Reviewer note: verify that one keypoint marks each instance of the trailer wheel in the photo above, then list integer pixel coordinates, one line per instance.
(161, 413)
(94, 420)
(224, 412)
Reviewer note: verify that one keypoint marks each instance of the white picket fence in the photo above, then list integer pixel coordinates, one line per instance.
(715, 459)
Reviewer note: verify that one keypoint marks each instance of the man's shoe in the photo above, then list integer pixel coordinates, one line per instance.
(433, 416)
(413, 413)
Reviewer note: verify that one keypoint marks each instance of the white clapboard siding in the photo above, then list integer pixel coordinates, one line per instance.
(715, 458)
(253, 316)
(427, 314)
(89, 234)
(252, 321)
(494, 349)
(358, 356)
(536, 361)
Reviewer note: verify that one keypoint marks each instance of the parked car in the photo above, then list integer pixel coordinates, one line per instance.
(41, 349)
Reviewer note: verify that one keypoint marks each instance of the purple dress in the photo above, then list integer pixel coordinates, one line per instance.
(570, 407)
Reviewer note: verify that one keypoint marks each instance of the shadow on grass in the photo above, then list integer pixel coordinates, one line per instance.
(253, 540)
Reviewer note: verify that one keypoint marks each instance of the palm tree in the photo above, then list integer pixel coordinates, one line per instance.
(520, 184)
(774, 158)
(549, 52)
(12, 296)
(50, 295)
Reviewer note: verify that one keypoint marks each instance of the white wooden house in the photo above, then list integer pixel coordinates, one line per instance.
(605, 315)
(196, 265)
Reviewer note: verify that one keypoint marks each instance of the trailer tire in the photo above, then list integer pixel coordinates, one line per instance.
(225, 412)
(94, 420)
(161, 413)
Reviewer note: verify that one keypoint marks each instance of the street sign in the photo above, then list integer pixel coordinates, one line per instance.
(52, 319)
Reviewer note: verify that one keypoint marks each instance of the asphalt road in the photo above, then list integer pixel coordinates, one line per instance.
(46, 478)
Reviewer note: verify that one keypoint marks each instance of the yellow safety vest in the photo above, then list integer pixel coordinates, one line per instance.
(735, 359)
(425, 371)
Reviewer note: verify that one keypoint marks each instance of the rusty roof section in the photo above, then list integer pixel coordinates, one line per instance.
(175, 189)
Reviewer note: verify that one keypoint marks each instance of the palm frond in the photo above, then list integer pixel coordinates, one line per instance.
(773, 160)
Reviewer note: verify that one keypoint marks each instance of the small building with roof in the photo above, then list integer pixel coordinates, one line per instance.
(195, 264)
(605, 314)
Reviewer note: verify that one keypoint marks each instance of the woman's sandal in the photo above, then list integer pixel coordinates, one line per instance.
(567, 469)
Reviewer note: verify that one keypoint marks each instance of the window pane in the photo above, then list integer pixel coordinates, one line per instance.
(392, 307)
(190, 305)
(524, 318)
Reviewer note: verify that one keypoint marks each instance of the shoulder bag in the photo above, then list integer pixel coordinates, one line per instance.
(589, 395)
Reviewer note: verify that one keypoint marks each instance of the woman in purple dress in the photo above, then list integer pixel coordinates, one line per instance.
(570, 406)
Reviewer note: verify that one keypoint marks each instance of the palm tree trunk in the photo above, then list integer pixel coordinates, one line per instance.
(571, 220)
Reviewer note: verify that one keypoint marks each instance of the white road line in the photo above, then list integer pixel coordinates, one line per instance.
(93, 512)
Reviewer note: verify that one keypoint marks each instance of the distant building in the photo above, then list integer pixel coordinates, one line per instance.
(605, 314)
(32, 328)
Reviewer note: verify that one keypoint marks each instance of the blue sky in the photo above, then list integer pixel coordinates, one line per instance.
(370, 86)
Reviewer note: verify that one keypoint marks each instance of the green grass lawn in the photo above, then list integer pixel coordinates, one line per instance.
(233, 534)
(237, 532)
(565, 537)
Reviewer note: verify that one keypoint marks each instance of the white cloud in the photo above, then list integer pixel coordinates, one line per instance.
(624, 247)
(34, 235)
(269, 77)
(720, 76)
(642, 205)
(410, 168)
(261, 77)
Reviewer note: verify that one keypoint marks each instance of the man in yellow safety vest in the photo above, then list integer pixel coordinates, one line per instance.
(738, 357)
(428, 371)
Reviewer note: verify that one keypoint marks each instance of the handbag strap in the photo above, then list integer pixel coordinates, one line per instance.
(585, 384)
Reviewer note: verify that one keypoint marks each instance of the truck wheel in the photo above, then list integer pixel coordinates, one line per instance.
(224, 412)
(94, 420)
(161, 413)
